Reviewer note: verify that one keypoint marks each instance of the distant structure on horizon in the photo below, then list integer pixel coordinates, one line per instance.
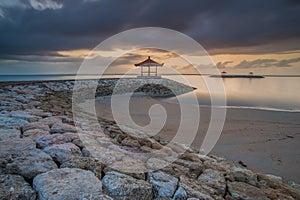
(149, 64)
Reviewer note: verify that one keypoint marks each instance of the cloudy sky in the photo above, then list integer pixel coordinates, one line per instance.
(54, 36)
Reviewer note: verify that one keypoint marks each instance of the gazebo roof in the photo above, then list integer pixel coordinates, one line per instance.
(148, 62)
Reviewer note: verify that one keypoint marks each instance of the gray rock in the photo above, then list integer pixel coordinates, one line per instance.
(30, 163)
(242, 175)
(87, 163)
(94, 197)
(62, 152)
(67, 183)
(36, 125)
(130, 142)
(9, 134)
(164, 184)
(9, 122)
(156, 164)
(38, 112)
(121, 186)
(267, 181)
(51, 120)
(180, 194)
(195, 167)
(214, 179)
(24, 115)
(15, 146)
(48, 140)
(275, 194)
(62, 128)
(240, 190)
(194, 189)
(129, 166)
(35, 133)
(14, 187)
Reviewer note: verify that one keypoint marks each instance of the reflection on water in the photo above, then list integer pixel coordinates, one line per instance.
(280, 93)
(270, 92)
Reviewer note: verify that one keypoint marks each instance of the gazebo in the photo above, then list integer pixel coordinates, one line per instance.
(149, 64)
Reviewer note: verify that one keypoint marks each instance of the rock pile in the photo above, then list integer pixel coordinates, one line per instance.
(44, 156)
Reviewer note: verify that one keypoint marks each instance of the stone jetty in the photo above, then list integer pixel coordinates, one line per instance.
(43, 155)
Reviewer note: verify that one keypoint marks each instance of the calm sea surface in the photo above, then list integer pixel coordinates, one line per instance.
(278, 93)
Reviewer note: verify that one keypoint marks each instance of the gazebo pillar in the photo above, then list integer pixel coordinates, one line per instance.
(148, 63)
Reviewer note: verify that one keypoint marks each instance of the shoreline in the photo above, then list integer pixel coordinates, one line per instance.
(242, 134)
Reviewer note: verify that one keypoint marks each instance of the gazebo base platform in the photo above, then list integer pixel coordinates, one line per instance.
(148, 76)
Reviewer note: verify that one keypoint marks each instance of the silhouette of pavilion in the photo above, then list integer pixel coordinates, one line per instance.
(149, 65)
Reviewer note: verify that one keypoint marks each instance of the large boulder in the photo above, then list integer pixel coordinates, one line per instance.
(35, 133)
(266, 181)
(9, 134)
(15, 187)
(164, 184)
(10, 122)
(180, 194)
(62, 152)
(242, 175)
(36, 125)
(240, 190)
(87, 163)
(31, 163)
(195, 189)
(48, 140)
(214, 179)
(15, 146)
(62, 128)
(67, 183)
(121, 186)
(24, 116)
(51, 120)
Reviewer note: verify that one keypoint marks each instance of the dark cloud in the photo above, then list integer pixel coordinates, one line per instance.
(34, 27)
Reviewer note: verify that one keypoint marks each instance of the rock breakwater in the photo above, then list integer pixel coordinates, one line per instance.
(42, 155)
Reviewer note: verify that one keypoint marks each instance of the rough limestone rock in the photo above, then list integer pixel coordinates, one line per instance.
(121, 186)
(242, 175)
(214, 179)
(67, 183)
(9, 134)
(164, 184)
(195, 167)
(274, 182)
(14, 187)
(35, 133)
(48, 140)
(130, 142)
(94, 197)
(62, 128)
(241, 190)
(24, 116)
(87, 163)
(31, 163)
(62, 152)
(10, 122)
(129, 166)
(275, 194)
(15, 146)
(180, 194)
(51, 120)
(195, 189)
(36, 125)
(156, 164)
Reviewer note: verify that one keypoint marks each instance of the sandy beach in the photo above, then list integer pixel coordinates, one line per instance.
(264, 140)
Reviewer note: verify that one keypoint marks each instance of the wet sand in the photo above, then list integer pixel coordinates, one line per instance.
(266, 141)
